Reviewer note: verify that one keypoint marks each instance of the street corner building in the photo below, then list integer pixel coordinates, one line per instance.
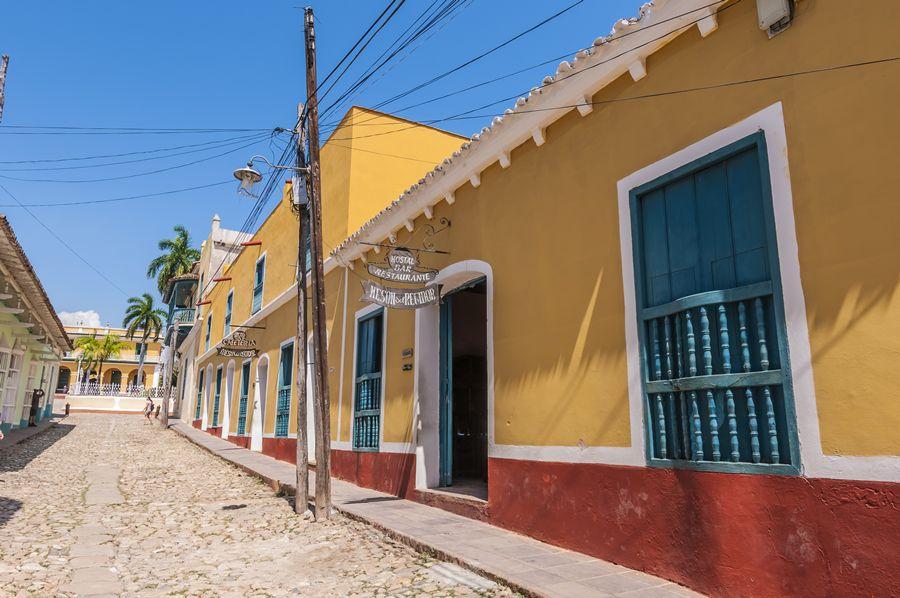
(662, 325)
(32, 339)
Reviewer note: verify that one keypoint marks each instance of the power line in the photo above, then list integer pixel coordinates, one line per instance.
(134, 175)
(359, 52)
(52, 130)
(66, 245)
(559, 79)
(258, 136)
(480, 56)
(135, 153)
(114, 199)
(658, 94)
(338, 106)
(444, 13)
(549, 61)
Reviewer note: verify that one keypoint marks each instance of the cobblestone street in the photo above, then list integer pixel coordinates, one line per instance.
(108, 505)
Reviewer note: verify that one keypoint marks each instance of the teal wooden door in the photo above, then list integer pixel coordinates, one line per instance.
(218, 395)
(711, 320)
(446, 398)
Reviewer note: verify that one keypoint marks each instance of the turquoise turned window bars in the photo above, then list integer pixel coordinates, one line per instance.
(716, 381)
(283, 396)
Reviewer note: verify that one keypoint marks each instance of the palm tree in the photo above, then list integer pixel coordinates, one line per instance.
(109, 347)
(178, 258)
(142, 316)
(89, 347)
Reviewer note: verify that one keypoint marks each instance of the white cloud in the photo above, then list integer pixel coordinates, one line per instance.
(88, 318)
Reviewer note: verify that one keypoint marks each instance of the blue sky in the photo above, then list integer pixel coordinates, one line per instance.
(223, 65)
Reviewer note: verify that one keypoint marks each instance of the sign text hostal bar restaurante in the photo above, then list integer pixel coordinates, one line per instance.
(403, 269)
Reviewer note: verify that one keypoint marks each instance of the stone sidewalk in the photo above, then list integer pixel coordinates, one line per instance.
(526, 565)
(17, 435)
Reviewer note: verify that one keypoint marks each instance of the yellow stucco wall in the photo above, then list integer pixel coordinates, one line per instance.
(379, 177)
(548, 225)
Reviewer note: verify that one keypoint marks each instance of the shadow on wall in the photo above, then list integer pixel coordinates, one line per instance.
(17, 456)
(8, 508)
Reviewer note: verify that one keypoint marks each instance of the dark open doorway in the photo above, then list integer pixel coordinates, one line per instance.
(464, 415)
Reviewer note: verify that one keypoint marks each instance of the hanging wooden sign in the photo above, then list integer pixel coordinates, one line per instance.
(238, 345)
(400, 298)
(403, 268)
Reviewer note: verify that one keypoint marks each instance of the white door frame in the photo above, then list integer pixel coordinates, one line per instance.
(229, 384)
(260, 388)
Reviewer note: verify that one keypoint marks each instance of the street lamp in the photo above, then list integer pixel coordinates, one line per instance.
(249, 176)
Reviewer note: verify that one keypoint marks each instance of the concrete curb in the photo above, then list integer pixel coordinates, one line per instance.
(414, 543)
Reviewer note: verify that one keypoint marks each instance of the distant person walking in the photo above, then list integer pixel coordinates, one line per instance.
(148, 408)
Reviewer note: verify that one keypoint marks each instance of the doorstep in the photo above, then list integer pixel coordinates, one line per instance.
(526, 565)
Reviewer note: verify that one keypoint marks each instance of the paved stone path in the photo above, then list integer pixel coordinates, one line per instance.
(530, 566)
(105, 504)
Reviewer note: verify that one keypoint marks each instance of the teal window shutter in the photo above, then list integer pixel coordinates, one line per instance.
(242, 407)
(229, 302)
(208, 329)
(259, 278)
(717, 389)
(199, 395)
(367, 388)
(283, 399)
(217, 396)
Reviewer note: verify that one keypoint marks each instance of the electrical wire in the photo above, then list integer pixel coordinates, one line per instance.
(475, 59)
(78, 130)
(494, 79)
(135, 153)
(134, 175)
(257, 136)
(442, 15)
(63, 242)
(459, 115)
(115, 199)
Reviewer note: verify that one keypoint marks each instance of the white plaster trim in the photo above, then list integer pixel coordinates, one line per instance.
(343, 354)
(229, 395)
(426, 356)
(258, 412)
(813, 462)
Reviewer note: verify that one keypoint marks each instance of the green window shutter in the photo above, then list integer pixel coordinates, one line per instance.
(242, 407)
(367, 389)
(217, 396)
(199, 395)
(283, 398)
(711, 318)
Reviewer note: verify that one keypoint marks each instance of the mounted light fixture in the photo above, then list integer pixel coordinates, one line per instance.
(249, 176)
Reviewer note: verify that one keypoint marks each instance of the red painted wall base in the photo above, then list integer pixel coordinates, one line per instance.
(720, 534)
(197, 423)
(214, 431)
(241, 441)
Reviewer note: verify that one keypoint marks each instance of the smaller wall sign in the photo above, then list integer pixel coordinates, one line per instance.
(238, 345)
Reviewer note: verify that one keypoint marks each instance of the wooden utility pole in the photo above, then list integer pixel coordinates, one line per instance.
(301, 499)
(4, 63)
(322, 406)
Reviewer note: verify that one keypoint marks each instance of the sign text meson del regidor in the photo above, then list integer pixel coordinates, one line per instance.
(403, 270)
